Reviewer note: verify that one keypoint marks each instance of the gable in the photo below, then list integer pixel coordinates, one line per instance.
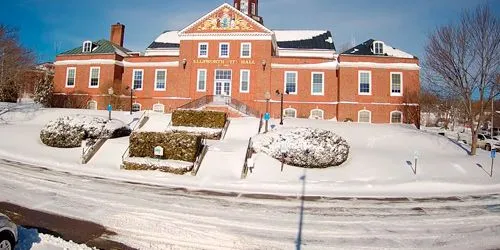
(225, 19)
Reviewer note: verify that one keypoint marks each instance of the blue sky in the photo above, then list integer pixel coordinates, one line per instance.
(52, 26)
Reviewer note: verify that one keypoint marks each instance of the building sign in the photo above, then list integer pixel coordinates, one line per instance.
(225, 20)
(224, 62)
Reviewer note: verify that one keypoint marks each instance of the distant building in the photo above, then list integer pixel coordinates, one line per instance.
(228, 60)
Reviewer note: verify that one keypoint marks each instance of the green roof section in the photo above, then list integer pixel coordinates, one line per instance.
(102, 46)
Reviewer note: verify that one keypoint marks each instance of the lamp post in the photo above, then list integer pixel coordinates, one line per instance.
(279, 93)
(131, 97)
(267, 96)
(110, 92)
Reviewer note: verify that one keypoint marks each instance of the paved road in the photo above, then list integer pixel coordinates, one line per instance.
(156, 217)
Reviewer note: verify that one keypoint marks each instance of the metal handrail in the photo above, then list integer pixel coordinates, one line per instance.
(247, 155)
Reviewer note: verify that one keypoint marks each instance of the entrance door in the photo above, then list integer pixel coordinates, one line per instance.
(222, 82)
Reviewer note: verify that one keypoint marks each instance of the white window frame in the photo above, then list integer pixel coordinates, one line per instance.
(253, 9)
(316, 109)
(322, 84)
(249, 50)
(228, 50)
(290, 108)
(241, 81)
(142, 79)
(85, 45)
(98, 77)
(375, 46)
(156, 80)
(390, 116)
(159, 105)
(67, 77)
(359, 82)
(199, 50)
(198, 81)
(369, 112)
(222, 87)
(296, 82)
(401, 85)
(92, 101)
(135, 104)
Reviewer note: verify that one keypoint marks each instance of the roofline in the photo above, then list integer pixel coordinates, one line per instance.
(414, 57)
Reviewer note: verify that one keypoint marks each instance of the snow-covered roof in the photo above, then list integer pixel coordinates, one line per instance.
(171, 36)
(296, 35)
(366, 48)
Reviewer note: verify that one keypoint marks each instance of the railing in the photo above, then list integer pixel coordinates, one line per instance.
(142, 120)
(198, 103)
(202, 151)
(248, 154)
(261, 122)
(242, 107)
(227, 100)
(224, 130)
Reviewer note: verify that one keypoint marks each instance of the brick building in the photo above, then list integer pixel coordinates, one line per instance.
(228, 60)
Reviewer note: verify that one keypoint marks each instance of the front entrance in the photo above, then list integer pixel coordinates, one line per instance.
(222, 82)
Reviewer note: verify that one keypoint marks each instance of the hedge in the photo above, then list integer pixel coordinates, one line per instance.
(176, 145)
(138, 166)
(195, 118)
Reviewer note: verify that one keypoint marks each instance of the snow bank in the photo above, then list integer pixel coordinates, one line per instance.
(146, 163)
(303, 147)
(207, 133)
(69, 131)
(32, 239)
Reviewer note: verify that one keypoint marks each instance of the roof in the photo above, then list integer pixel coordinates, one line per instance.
(304, 39)
(99, 47)
(167, 39)
(365, 49)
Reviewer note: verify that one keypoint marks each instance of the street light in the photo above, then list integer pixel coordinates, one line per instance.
(267, 96)
(279, 93)
(131, 97)
(110, 92)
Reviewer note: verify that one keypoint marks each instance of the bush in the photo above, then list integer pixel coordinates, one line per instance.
(174, 167)
(180, 146)
(195, 118)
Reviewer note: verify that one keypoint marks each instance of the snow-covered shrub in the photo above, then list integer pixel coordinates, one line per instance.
(180, 146)
(69, 131)
(197, 118)
(303, 147)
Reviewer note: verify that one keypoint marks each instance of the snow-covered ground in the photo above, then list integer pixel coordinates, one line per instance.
(32, 239)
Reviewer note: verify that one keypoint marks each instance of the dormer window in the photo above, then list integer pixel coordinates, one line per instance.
(87, 46)
(378, 48)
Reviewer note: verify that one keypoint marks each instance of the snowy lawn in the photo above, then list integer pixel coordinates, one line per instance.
(32, 239)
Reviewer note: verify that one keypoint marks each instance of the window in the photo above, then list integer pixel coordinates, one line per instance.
(136, 107)
(87, 46)
(70, 77)
(201, 83)
(317, 83)
(396, 84)
(92, 105)
(364, 116)
(94, 77)
(160, 79)
(244, 6)
(203, 50)
(396, 117)
(253, 9)
(290, 112)
(317, 114)
(137, 77)
(160, 108)
(291, 82)
(378, 48)
(224, 50)
(245, 80)
(365, 82)
(246, 50)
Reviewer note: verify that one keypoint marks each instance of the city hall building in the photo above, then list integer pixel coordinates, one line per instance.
(228, 60)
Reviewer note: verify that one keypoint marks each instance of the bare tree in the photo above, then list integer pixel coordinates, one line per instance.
(14, 62)
(462, 61)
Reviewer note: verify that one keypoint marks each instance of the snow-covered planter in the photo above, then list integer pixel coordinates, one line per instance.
(207, 133)
(69, 131)
(303, 147)
(146, 163)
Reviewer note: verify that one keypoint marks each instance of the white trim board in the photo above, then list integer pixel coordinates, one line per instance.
(326, 65)
(119, 63)
(407, 66)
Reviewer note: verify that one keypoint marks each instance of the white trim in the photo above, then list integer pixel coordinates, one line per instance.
(325, 65)
(199, 50)
(401, 84)
(322, 83)
(135, 104)
(156, 80)
(223, 80)
(133, 79)
(162, 110)
(296, 82)
(315, 53)
(390, 116)
(162, 52)
(198, 80)
(344, 102)
(84, 45)
(402, 66)
(237, 36)
(67, 77)
(241, 80)
(249, 50)
(119, 63)
(228, 50)
(290, 108)
(370, 117)
(374, 45)
(98, 77)
(359, 82)
(169, 98)
(317, 109)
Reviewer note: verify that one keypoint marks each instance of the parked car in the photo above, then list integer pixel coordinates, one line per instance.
(486, 142)
(8, 233)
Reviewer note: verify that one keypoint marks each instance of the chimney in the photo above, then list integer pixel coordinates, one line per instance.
(117, 33)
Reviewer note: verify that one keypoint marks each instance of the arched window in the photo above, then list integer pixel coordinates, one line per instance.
(92, 105)
(136, 107)
(160, 108)
(396, 117)
(364, 116)
(290, 112)
(317, 114)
